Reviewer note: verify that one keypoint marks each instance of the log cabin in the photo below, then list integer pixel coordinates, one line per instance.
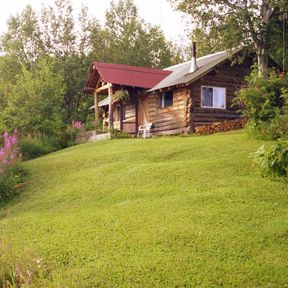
(176, 99)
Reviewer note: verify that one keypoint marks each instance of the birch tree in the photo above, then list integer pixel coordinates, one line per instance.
(247, 21)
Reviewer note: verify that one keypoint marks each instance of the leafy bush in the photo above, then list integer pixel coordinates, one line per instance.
(116, 134)
(34, 147)
(9, 181)
(273, 161)
(38, 95)
(7, 187)
(64, 139)
(38, 146)
(264, 102)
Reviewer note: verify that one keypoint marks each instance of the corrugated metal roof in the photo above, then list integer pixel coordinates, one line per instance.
(102, 103)
(133, 76)
(180, 73)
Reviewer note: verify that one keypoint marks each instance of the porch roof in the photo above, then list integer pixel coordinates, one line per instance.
(120, 74)
(102, 103)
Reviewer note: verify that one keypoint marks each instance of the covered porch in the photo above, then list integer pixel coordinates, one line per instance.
(121, 115)
(107, 82)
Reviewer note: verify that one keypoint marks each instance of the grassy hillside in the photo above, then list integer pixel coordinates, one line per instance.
(166, 212)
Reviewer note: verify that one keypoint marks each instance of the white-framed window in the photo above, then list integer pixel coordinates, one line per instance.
(166, 99)
(213, 97)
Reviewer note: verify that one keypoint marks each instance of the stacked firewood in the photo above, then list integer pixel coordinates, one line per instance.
(220, 127)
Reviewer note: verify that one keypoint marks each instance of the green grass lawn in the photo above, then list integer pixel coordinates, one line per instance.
(162, 212)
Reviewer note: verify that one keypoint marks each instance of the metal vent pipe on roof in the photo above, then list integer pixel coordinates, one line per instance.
(193, 66)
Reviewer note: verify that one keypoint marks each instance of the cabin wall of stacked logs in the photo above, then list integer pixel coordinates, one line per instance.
(169, 120)
(186, 112)
(226, 76)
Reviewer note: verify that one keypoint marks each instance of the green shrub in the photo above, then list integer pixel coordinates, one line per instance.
(65, 139)
(34, 147)
(273, 161)
(264, 102)
(7, 187)
(9, 181)
(116, 134)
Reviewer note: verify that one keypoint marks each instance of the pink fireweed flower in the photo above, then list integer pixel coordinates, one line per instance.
(77, 125)
(7, 145)
(9, 153)
(2, 153)
(14, 140)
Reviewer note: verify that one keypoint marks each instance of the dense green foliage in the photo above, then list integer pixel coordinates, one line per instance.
(33, 147)
(273, 161)
(162, 212)
(129, 40)
(121, 95)
(258, 24)
(34, 102)
(47, 59)
(9, 181)
(264, 102)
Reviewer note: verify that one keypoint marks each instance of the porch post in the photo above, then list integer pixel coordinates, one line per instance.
(96, 107)
(136, 115)
(110, 95)
(121, 115)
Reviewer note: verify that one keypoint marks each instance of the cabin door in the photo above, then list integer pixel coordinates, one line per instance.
(143, 112)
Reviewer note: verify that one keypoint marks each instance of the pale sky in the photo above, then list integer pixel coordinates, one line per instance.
(153, 11)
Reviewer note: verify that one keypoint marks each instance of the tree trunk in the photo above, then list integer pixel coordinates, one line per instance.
(267, 11)
(262, 59)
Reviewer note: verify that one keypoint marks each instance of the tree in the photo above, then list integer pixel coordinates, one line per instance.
(58, 29)
(9, 69)
(34, 101)
(278, 44)
(127, 39)
(23, 38)
(236, 22)
(54, 34)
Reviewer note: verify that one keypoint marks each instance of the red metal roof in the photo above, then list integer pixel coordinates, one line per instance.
(127, 75)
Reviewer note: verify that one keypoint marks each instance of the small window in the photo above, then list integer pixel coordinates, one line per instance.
(213, 97)
(166, 99)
